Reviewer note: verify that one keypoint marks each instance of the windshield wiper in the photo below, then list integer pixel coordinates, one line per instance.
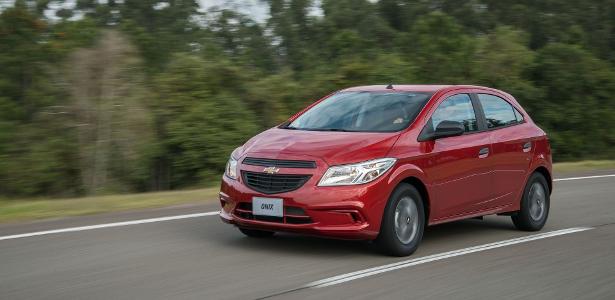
(317, 129)
(332, 129)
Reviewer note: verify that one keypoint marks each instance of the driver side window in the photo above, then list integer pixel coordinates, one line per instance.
(455, 108)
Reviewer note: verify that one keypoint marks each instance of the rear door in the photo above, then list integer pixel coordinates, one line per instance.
(511, 147)
(459, 167)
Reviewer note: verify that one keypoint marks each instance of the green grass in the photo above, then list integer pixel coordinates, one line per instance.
(585, 165)
(35, 209)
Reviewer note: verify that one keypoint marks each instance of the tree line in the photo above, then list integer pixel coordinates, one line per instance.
(142, 95)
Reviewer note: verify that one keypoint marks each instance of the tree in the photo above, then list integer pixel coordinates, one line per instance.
(242, 39)
(204, 137)
(201, 118)
(114, 125)
(578, 106)
(36, 154)
(290, 26)
(440, 49)
(358, 16)
(24, 52)
(157, 28)
(504, 62)
(146, 95)
(275, 98)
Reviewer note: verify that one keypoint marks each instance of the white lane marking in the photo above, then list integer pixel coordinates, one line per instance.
(107, 225)
(178, 217)
(421, 260)
(584, 177)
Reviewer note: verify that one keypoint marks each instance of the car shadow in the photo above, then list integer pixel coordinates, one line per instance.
(295, 244)
(289, 243)
(467, 228)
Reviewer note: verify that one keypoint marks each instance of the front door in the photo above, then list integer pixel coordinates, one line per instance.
(459, 167)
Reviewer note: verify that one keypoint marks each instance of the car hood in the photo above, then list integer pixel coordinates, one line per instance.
(332, 147)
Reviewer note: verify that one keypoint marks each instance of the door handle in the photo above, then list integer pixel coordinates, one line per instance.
(484, 152)
(527, 146)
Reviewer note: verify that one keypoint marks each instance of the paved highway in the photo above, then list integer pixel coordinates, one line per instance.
(173, 253)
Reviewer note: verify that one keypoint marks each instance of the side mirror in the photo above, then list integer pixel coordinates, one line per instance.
(444, 129)
(448, 128)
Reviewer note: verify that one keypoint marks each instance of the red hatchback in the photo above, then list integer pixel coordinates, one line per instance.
(382, 162)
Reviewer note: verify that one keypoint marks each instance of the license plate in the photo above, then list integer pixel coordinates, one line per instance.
(273, 207)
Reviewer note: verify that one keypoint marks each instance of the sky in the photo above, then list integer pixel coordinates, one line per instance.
(256, 8)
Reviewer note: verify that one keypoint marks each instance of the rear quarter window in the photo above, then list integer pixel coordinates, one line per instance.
(498, 112)
(519, 116)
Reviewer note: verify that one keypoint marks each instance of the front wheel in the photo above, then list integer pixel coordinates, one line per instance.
(534, 205)
(403, 222)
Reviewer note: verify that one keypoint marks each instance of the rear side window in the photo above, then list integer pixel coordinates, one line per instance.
(518, 115)
(498, 111)
(455, 108)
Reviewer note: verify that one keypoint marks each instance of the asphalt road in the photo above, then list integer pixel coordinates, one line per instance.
(202, 258)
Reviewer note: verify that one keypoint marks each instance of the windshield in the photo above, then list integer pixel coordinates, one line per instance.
(363, 111)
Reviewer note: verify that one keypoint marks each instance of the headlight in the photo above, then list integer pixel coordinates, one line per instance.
(231, 168)
(356, 173)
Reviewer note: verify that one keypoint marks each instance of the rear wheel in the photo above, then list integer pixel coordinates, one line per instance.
(256, 233)
(534, 205)
(403, 222)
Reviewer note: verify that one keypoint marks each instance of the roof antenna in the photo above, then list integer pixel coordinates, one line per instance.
(390, 86)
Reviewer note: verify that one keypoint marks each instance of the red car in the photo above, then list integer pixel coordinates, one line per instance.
(382, 162)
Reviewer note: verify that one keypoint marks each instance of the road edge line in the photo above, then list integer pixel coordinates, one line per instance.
(108, 225)
(338, 279)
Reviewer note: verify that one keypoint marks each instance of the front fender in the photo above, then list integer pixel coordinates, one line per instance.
(404, 172)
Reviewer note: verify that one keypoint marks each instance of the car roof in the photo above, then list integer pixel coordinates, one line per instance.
(428, 88)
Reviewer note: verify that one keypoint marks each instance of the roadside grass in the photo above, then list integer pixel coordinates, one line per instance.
(15, 210)
(585, 165)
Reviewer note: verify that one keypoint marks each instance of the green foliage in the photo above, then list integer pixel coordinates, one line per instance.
(275, 98)
(242, 39)
(504, 61)
(204, 136)
(69, 35)
(441, 50)
(43, 167)
(35, 148)
(579, 107)
(141, 95)
(202, 118)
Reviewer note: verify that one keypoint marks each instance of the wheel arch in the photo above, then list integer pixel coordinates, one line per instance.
(545, 172)
(420, 186)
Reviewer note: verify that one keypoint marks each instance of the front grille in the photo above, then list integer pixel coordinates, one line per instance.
(273, 183)
(266, 162)
(292, 215)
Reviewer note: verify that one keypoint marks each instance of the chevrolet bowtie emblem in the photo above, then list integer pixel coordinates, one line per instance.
(271, 170)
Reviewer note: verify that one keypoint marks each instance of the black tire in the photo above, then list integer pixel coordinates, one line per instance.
(388, 240)
(528, 219)
(254, 233)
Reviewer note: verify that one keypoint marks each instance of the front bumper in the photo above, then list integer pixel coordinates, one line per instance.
(347, 212)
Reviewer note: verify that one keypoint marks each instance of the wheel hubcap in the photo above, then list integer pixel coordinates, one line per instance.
(537, 201)
(406, 220)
